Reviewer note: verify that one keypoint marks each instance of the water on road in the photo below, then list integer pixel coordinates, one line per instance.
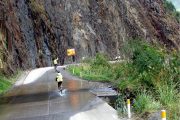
(41, 100)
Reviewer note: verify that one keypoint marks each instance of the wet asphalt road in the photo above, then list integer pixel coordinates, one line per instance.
(40, 100)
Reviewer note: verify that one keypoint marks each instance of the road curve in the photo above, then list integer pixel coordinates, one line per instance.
(37, 98)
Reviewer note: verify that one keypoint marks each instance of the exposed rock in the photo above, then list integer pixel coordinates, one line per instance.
(36, 30)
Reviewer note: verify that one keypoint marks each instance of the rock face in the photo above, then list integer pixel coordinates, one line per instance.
(34, 31)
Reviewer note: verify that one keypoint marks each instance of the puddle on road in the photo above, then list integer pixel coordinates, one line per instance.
(63, 92)
(79, 92)
(75, 94)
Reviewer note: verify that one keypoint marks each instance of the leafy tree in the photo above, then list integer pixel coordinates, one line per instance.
(169, 6)
(172, 10)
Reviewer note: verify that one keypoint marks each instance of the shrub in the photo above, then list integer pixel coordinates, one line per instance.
(146, 57)
(168, 94)
(87, 60)
(75, 70)
(100, 60)
(153, 70)
(145, 102)
(150, 69)
(97, 69)
(173, 111)
(120, 105)
(142, 70)
(177, 16)
(37, 8)
(4, 84)
(169, 6)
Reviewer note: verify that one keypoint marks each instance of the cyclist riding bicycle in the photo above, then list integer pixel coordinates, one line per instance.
(59, 79)
(55, 63)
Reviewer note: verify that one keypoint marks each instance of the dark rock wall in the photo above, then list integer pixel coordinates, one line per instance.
(38, 30)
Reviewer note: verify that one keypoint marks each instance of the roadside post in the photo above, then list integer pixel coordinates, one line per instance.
(129, 108)
(163, 114)
(80, 74)
(81, 77)
(73, 70)
(1, 64)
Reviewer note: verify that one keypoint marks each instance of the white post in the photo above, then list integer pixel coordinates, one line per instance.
(1, 63)
(163, 114)
(73, 70)
(129, 108)
(80, 74)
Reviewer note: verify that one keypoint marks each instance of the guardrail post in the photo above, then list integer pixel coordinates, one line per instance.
(73, 70)
(163, 114)
(80, 74)
(1, 63)
(129, 108)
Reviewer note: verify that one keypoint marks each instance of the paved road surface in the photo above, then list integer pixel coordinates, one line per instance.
(37, 98)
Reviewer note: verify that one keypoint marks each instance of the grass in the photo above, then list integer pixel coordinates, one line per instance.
(86, 72)
(168, 94)
(146, 103)
(173, 111)
(98, 69)
(7, 82)
(151, 73)
(37, 7)
(4, 84)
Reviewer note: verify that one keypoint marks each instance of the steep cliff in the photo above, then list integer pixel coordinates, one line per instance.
(32, 32)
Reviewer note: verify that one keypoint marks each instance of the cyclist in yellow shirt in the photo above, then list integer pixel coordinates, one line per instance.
(59, 79)
(55, 62)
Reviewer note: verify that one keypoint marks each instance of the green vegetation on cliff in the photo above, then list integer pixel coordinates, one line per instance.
(97, 69)
(37, 7)
(170, 8)
(151, 75)
(6, 82)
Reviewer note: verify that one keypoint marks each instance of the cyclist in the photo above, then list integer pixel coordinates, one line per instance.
(55, 63)
(59, 79)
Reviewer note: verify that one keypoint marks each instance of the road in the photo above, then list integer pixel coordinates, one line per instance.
(37, 98)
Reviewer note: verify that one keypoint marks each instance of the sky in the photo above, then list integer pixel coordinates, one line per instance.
(176, 4)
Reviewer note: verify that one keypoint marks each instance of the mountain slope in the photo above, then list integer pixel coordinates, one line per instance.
(35, 31)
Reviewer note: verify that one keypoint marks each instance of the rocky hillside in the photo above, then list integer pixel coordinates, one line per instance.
(32, 32)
